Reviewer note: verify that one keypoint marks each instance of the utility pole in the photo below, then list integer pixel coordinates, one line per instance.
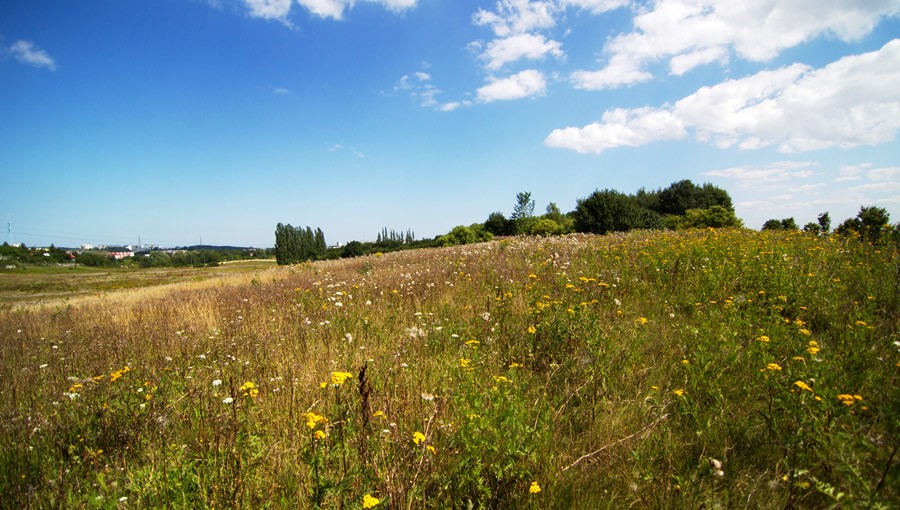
(9, 231)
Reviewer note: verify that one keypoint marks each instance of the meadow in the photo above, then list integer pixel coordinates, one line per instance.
(694, 369)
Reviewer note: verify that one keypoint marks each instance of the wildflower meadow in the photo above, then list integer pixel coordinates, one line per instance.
(692, 369)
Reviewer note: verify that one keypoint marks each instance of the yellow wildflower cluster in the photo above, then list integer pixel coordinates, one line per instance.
(535, 488)
(338, 378)
(418, 438)
(849, 400)
(464, 362)
(248, 389)
(119, 373)
(764, 339)
(313, 419)
(803, 386)
(370, 501)
(813, 347)
(773, 366)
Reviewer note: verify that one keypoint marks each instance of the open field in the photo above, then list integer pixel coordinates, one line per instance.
(49, 285)
(716, 369)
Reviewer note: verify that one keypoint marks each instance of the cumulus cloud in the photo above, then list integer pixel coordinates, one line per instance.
(520, 85)
(851, 102)
(689, 33)
(27, 53)
(515, 47)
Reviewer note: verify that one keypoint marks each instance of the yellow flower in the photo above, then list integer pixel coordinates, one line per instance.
(685, 362)
(500, 379)
(370, 501)
(323, 384)
(313, 419)
(320, 434)
(378, 414)
(532, 329)
(773, 366)
(678, 392)
(535, 488)
(431, 449)
(803, 386)
(464, 362)
(470, 343)
(338, 378)
(418, 438)
(764, 339)
(249, 389)
(642, 320)
(805, 332)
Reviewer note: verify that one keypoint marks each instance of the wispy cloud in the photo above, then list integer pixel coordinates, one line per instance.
(28, 53)
(851, 102)
(418, 85)
(334, 9)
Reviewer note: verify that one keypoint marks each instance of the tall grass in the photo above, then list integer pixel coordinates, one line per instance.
(705, 368)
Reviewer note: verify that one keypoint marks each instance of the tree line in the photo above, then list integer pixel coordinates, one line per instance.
(681, 205)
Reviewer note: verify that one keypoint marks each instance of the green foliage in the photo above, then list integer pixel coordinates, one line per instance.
(524, 207)
(716, 217)
(683, 195)
(611, 211)
(783, 224)
(498, 225)
(294, 244)
(870, 224)
(543, 227)
(464, 235)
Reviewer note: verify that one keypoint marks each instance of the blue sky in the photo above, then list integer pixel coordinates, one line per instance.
(176, 120)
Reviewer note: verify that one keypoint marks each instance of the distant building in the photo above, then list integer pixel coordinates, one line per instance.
(87, 246)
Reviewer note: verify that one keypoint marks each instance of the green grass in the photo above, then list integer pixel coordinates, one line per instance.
(664, 370)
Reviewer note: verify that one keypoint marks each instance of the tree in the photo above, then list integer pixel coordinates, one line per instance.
(772, 224)
(353, 249)
(464, 235)
(715, 216)
(524, 207)
(824, 223)
(611, 211)
(543, 227)
(498, 225)
(683, 195)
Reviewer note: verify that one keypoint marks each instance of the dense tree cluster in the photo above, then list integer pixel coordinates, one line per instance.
(681, 205)
(296, 244)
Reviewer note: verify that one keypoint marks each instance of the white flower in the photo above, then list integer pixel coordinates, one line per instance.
(348, 336)
(227, 400)
(217, 382)
(43, 366)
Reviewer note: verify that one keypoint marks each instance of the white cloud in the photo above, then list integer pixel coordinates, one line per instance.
(518, 16)
(885, 174)
(269, 9)
(767, 177)
(524, 84)
(509, 49)
(279, 9)
(619, 127)
(27, 53)
(853, 101)
(280, 91)
(596, 6)
(852, 172)
(695, 32)
(327, 8)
